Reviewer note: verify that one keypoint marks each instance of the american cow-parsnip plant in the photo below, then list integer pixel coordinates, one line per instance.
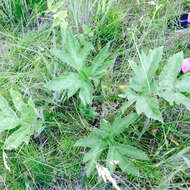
(25, 120)
(103, 139)
(145, 87)
(84, 73)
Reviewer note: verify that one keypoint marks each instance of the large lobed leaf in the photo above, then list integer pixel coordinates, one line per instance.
(115, 156)
(121, 124)
(183, 84)
(8, 118)
(148, 105)
(27, 121)
(74, 53)
(144, 104)
(92, 157)
(170, 87)
(18, 137)
(100, 63)
(131, 152)
(145, 71)
(72, 82)
(88, 141)
(168, 76)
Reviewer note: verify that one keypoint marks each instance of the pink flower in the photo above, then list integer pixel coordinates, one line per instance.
(186, 65)
(188, 18)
